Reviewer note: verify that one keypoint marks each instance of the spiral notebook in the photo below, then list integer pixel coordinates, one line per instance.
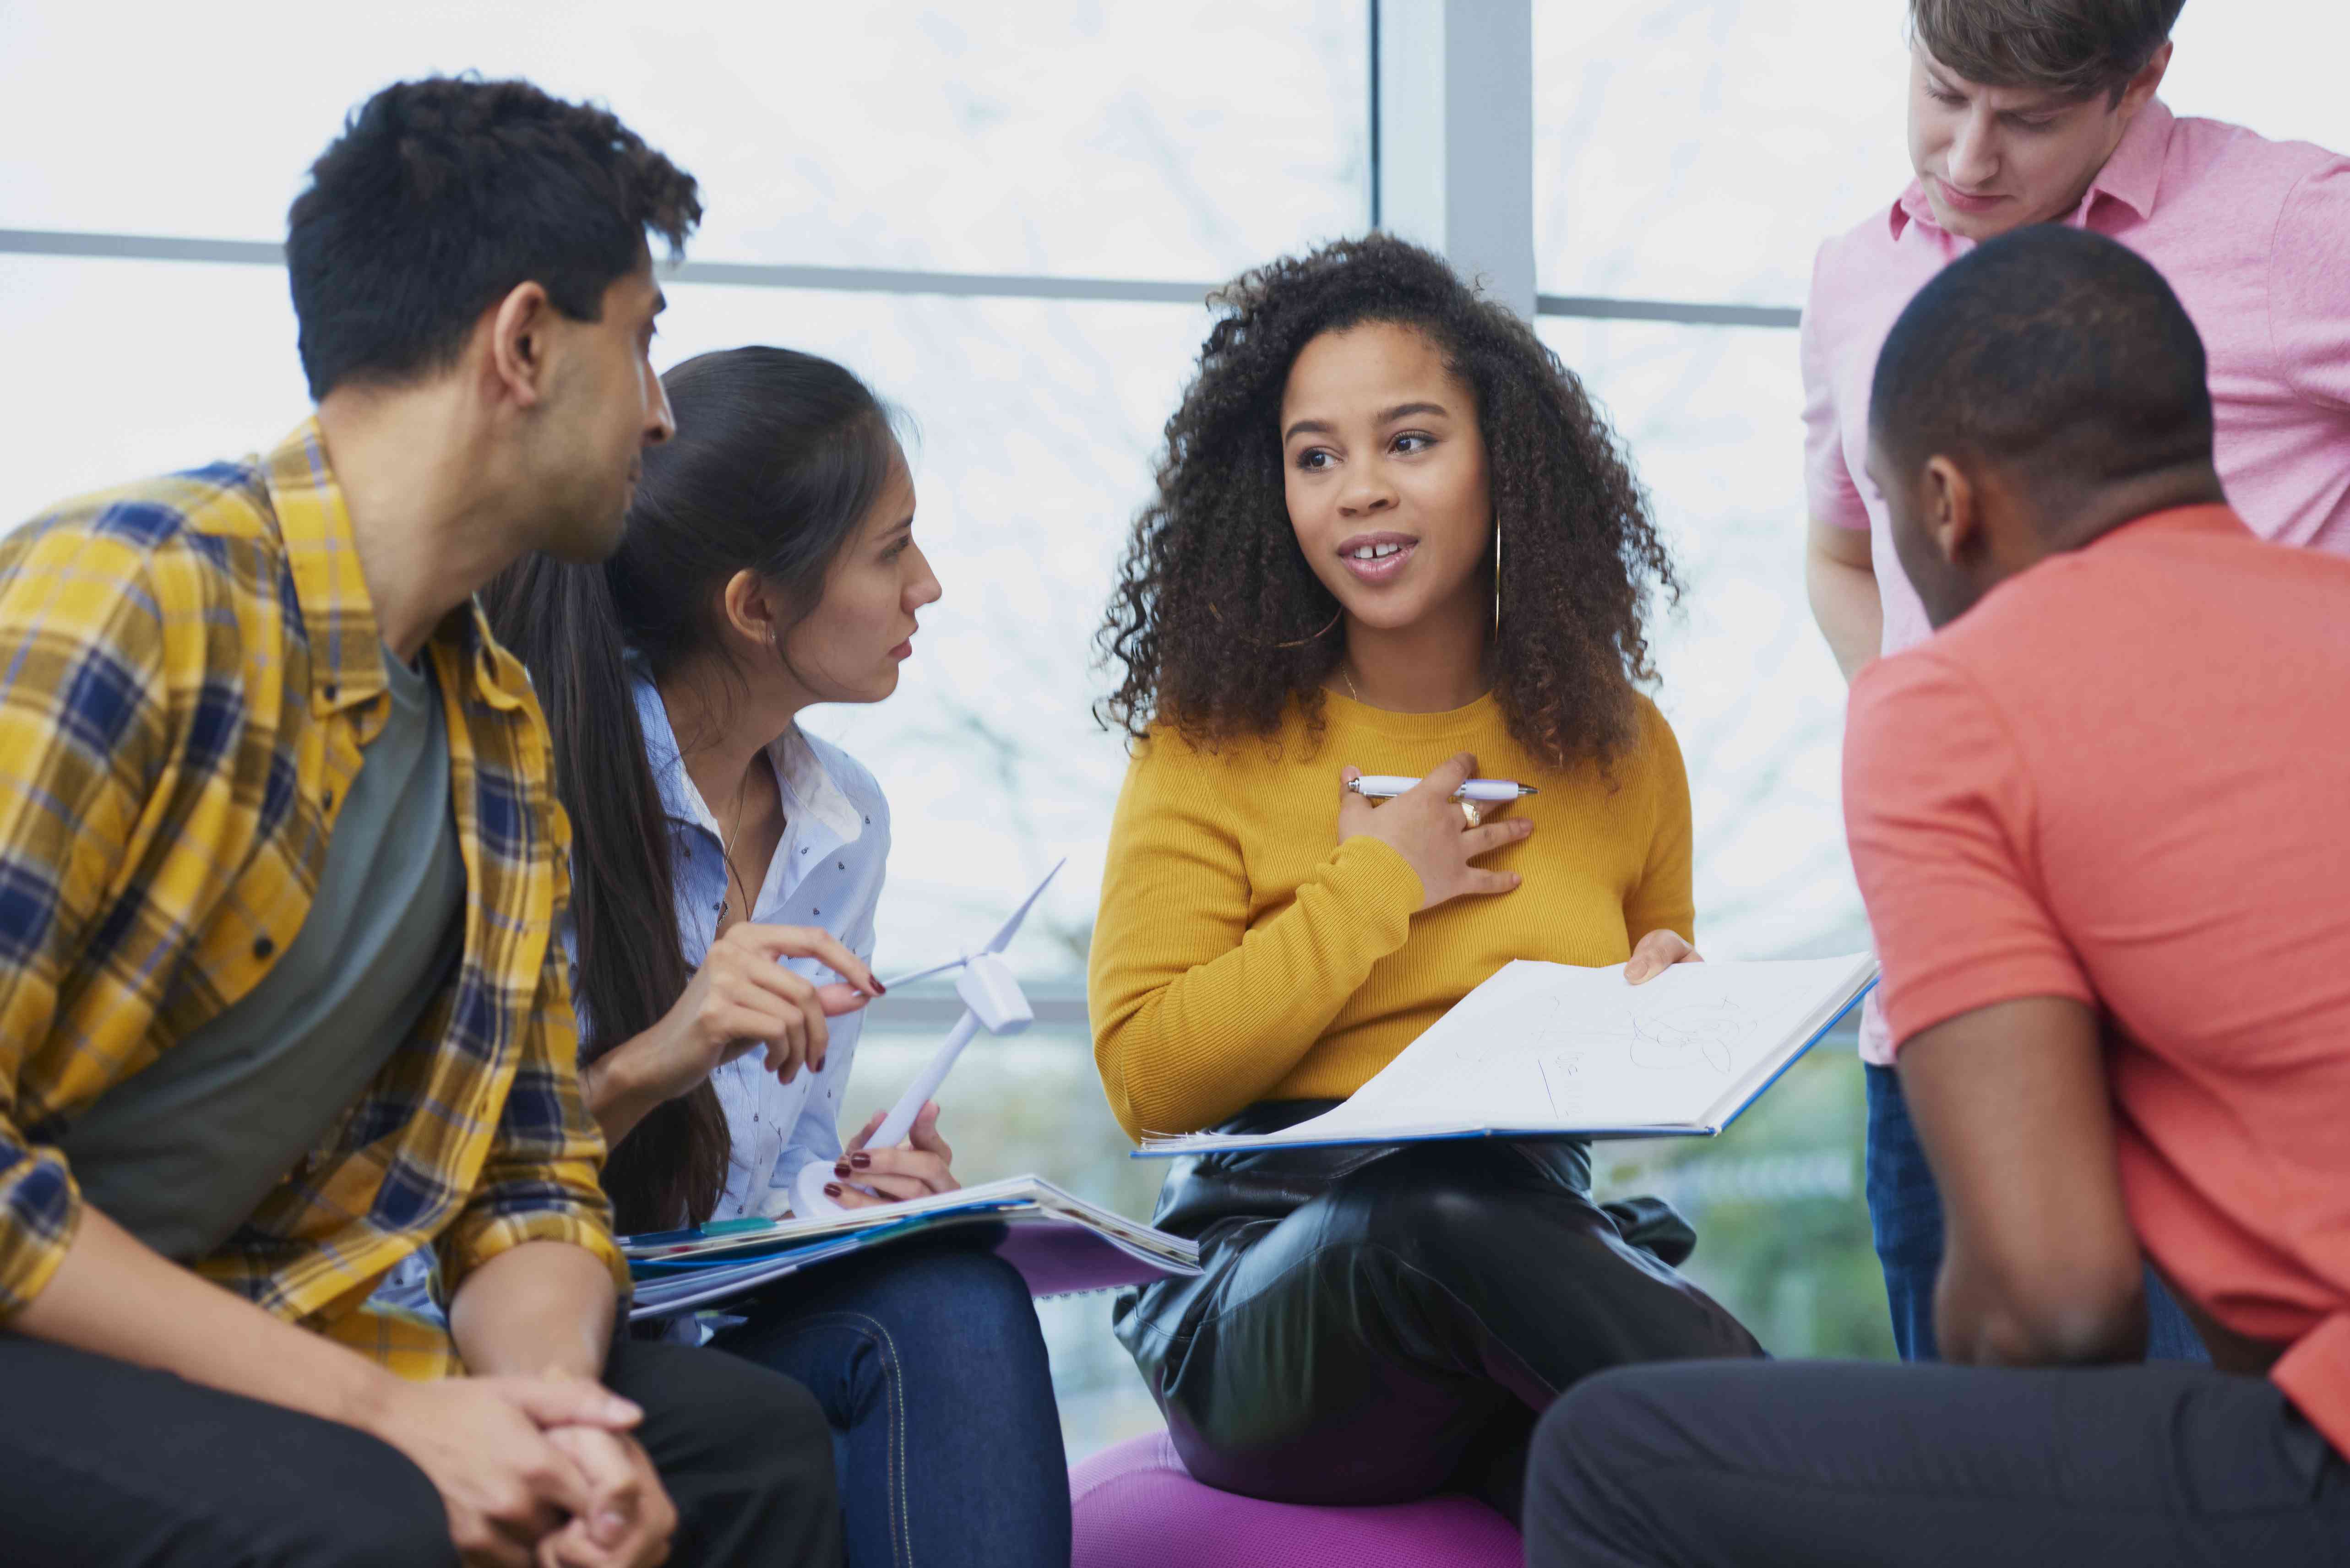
(1551, 1050)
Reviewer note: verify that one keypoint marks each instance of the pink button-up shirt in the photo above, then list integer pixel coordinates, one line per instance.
(2253, 234)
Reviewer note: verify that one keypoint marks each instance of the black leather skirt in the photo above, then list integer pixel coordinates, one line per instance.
(1375, 1324)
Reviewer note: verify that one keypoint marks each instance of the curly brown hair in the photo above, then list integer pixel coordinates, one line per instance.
(1217, 619)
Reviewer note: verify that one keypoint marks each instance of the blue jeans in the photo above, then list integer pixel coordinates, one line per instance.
(929, 1363)
(1905, 1210)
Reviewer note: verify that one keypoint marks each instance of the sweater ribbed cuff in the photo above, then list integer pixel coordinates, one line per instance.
(1370, 875)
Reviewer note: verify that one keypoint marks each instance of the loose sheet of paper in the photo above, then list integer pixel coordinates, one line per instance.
(1543, 1044)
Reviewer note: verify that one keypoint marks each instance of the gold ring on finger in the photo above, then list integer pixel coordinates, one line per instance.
(1469, 811)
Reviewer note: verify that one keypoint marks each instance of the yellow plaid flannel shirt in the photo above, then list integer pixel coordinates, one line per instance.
(188, 669)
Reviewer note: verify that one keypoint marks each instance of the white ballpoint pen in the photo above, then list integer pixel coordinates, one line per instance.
(1386, 786)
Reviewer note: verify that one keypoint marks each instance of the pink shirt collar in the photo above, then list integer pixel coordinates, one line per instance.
(2132, 176)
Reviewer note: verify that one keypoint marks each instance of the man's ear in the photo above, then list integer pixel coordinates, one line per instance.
(1951, 510)
(2146, 84)
(516, 369)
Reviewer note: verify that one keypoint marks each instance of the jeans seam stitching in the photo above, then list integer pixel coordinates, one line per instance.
(873, 1329)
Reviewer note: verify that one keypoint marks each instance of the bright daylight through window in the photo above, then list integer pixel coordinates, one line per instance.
(1006, 219)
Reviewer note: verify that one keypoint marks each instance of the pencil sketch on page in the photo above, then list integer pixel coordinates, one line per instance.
(1570, 1049)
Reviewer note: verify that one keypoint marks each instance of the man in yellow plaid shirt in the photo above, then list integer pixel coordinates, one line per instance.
(279, 863)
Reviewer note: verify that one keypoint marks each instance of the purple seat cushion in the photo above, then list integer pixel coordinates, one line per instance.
(1137, 1508)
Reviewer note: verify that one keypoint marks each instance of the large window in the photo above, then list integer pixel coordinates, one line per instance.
(1758, 704)
(1180, 140)
(1700, 149)
(1006, 217)
(913, 152)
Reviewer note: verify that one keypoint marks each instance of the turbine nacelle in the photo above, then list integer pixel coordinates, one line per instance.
(989, 989)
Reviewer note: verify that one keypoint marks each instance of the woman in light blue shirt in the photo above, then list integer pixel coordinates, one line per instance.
(726, 867)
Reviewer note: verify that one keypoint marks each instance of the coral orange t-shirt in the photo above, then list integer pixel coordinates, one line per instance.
(2121, 778)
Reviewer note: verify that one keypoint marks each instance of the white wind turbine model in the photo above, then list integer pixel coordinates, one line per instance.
(991, 999)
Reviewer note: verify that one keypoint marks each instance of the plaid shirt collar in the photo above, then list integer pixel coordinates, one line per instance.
(314, 521)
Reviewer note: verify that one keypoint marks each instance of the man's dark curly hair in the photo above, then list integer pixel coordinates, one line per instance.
(441, 196)
(1217, 619)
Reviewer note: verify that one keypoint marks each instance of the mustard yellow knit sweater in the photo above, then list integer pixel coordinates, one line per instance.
(1243, 953)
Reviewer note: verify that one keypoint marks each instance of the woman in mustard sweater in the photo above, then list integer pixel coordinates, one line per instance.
(1391, 535)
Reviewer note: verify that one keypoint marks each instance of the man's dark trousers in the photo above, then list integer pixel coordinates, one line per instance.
(106, 1465)
(1823, 1464)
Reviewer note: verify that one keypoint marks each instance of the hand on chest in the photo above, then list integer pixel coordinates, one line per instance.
(1578, 867)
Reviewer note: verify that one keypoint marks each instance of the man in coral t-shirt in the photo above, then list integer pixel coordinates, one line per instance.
(2029, 110)
(2097, 820)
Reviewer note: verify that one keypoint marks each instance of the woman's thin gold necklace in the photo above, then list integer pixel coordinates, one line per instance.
(726, 846)
(1349, 681)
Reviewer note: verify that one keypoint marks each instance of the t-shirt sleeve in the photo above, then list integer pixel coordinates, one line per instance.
(1828, 486)
(2309, 286)
(1939, 811)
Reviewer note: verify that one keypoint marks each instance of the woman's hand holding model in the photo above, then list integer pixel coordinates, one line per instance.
(1425, 826)
(915, 1169)
(740, 999)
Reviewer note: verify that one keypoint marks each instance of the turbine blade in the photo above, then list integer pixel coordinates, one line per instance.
(1002, 939)
(895, 981)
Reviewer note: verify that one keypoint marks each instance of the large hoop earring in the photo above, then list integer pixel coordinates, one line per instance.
(1497, 578)
(1336, 616)
(1319, 635)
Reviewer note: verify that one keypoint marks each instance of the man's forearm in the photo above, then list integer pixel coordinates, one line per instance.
(541, 1307)
(2041, 1266)
(114, 1296)
(1845, 600)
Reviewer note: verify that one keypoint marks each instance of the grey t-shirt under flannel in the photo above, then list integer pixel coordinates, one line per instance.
(180, 1152)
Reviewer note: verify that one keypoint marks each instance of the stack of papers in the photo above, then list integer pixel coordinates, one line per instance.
(1060, 1243)
(1551, 1050)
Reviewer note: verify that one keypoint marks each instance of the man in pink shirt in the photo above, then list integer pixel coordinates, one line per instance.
(2097, 820)
(2026, 111)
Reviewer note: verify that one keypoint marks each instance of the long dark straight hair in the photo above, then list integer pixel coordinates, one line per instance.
(778, 457)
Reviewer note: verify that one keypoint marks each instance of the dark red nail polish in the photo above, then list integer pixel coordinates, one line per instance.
(832, 1189)
(860, 1160)
(879, 988)
(841, 1169)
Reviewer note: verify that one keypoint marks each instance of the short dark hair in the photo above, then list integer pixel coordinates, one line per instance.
(2077, 48)
(2053, 351)
(443, 195)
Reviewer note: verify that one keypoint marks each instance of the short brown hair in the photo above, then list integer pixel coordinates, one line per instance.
(2077, 48)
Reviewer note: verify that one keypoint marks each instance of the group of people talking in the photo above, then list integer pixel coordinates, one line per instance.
(414, 873)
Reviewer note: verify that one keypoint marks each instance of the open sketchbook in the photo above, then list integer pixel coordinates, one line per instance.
(1060, 1243)
(1544, 1049)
